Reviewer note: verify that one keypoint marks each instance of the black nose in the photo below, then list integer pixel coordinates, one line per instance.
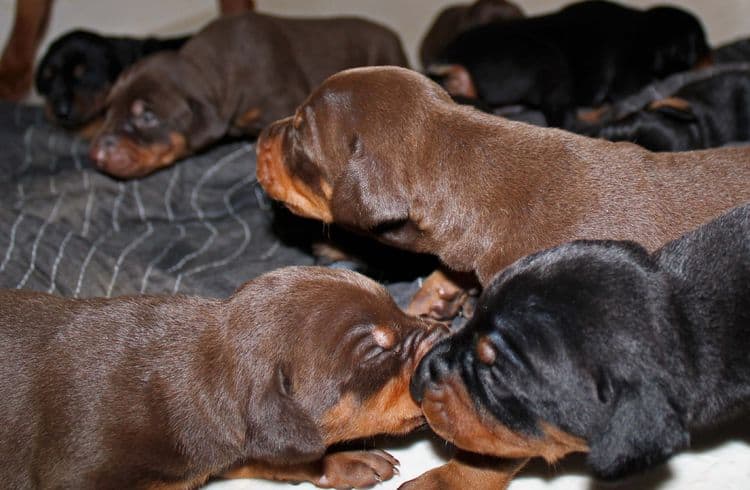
(62, 109)
(433, 367)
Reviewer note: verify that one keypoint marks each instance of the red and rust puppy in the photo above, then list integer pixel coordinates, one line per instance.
(233, 78)
(456, 19)
(600, 347)
(165, 391)
(385, 151)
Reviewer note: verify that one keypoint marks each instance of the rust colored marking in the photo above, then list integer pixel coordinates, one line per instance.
(670, 102)
(457, 80)
(280, 185)
(452, 414)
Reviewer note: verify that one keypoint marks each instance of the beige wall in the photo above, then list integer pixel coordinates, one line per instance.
(724, 19)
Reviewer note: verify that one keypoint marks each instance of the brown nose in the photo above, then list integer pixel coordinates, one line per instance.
(269, 170)
(102, 148)
(270, 132)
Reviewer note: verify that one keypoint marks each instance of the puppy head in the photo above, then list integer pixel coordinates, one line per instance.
(485, 11)
(330, 355)
(347, 153)
(75, 76)
(676, 38)
(569, 350)
(156, 114)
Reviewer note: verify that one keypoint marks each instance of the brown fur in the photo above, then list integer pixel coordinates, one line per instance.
(468, 470)
(165, 391)
(387, 152)
(234, 77)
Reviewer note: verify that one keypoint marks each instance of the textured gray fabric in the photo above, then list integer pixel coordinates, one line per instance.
(732, 52)
(203, 226)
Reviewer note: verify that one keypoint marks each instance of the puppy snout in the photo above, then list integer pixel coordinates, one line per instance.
(431, 370)
(102, 148)
(62, 109)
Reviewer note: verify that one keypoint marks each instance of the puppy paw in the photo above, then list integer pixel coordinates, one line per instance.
(357, 469)
(439, 298)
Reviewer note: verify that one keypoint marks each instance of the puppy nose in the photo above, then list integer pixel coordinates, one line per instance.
(102, 147)
(431, 370)
(62, 109)
(268, 134)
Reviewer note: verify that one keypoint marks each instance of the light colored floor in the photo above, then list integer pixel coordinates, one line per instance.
(720, 459)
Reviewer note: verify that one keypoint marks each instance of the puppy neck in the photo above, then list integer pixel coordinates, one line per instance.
(501, 210)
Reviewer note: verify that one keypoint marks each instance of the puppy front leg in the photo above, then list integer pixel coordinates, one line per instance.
(468, 471)
(345, 469)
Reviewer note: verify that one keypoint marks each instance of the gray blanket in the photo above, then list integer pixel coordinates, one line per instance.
(203, 226)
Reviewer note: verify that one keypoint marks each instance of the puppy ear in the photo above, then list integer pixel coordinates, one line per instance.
(205, 123)
(279, 430)
(644, 430)
(368, 195)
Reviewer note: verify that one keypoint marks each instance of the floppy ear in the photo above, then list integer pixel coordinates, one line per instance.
(205, 124)
(368, 194)
(279, 431)
(644, 430)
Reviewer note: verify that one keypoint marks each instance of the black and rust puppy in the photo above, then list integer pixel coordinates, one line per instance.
(234, 77)
(456, 19)
(705, 113)
(80, 67)
(581, 56)
(599, 346)
(165, 391)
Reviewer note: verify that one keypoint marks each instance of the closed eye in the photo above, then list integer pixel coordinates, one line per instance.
(146, 120)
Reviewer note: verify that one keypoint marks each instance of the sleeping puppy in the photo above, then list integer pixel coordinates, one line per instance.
(601, 347)
(584, 55)
(456, 19)
(232, 78)
(165, 391)
(705, 113)
(385, 151)
(80, 67)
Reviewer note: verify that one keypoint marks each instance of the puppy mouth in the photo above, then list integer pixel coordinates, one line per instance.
(122, 157)
(435, 332)
(453, 415)
(275, 178)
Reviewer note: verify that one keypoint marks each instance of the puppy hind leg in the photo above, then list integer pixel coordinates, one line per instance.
(466, 471)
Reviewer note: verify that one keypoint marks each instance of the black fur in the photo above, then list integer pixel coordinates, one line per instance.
(626, 350)
(718, 113)
(80, 67)
(584, 55)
